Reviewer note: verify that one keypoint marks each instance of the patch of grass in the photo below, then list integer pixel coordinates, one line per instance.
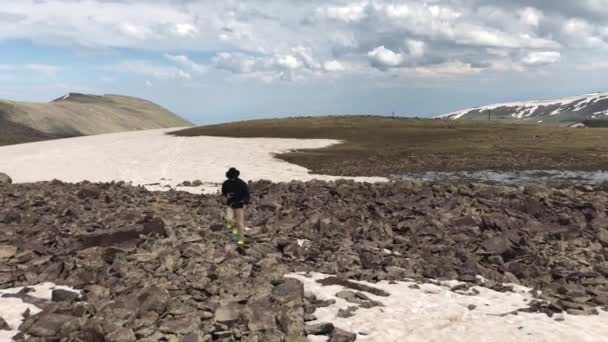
(596, 123)
(381, 146)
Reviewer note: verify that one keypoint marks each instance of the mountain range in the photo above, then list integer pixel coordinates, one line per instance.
(568, 111)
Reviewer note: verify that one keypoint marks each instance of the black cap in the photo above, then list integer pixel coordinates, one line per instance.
(233, 173)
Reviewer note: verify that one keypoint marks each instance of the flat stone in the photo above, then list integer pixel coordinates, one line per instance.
(60, 295)
(182, 326)
(340, 335)
(228, 312)
(48, 324)
(320, 329)
(121, 335)
(7, 251)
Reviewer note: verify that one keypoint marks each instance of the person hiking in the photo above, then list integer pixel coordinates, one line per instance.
(236, 192)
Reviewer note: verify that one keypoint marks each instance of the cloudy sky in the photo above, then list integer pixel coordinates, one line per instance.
(221, 60)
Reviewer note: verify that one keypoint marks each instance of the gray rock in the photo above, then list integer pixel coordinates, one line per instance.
(181, 326)
(60, 295)
(4, 325)
(5, 179)
(48, 324)
(358, 298)
(90, 191)
(229, 312)
(320, 329)
(340, 335)
(154, 299)
(121, 335)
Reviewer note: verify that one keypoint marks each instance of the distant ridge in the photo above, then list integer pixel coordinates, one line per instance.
(76, 114)
(564, 111)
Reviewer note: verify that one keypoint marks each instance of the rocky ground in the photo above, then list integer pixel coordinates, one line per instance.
(161, 266)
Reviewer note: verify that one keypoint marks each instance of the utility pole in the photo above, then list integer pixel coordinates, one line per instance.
(393, 115)
(489, 115)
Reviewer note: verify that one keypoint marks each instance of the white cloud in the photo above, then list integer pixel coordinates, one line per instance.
(531, 16)
(187, 62)
(185, 30)
(542, 58)
(294, 64)
(135, 31)
(348, 13)
(158, 71)
(294, 39)
(383, 58)
(237, 63)
(416, 48)
(333, 66)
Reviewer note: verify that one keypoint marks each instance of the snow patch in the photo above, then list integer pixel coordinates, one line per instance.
(12, 309)
(431, 312)
(159, 161)
(527, 108)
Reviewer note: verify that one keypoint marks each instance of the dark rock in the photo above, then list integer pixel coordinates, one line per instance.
(153, 227)
(358, 298)
(348, 312)
(90, 191)
(352, 285)
(181, 326)
(60, 295)
(153, 299)
(340, 335)
(4, 325)
(320, 329)
(121, 335)
(193, 337)
(5, 179)
(291, 290)
(48, 324)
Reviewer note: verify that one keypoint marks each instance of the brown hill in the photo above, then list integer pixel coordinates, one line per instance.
(79, 114)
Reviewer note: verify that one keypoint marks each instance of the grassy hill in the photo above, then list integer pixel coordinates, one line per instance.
(80, 114)
(379, 146)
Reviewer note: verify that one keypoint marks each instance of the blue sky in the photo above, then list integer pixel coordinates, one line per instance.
(216, 61)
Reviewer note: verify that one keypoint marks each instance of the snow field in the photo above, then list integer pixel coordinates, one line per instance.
(157, 160)
(12, 309)
(434, 313)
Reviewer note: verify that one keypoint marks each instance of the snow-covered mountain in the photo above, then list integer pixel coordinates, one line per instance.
(564, 111)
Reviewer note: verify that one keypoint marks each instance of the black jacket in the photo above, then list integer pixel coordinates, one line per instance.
(236, 191)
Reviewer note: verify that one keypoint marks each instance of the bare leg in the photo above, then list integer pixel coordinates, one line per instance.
(240, 223)
(230, 219)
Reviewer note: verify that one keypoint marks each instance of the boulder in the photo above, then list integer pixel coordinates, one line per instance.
(89, 191)
(5, 179)
(320, 329)
(182, 326)
(48, 324)
(60, 295)
(229, 312)
(340, 335)
(155, 226)
(153, 299)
